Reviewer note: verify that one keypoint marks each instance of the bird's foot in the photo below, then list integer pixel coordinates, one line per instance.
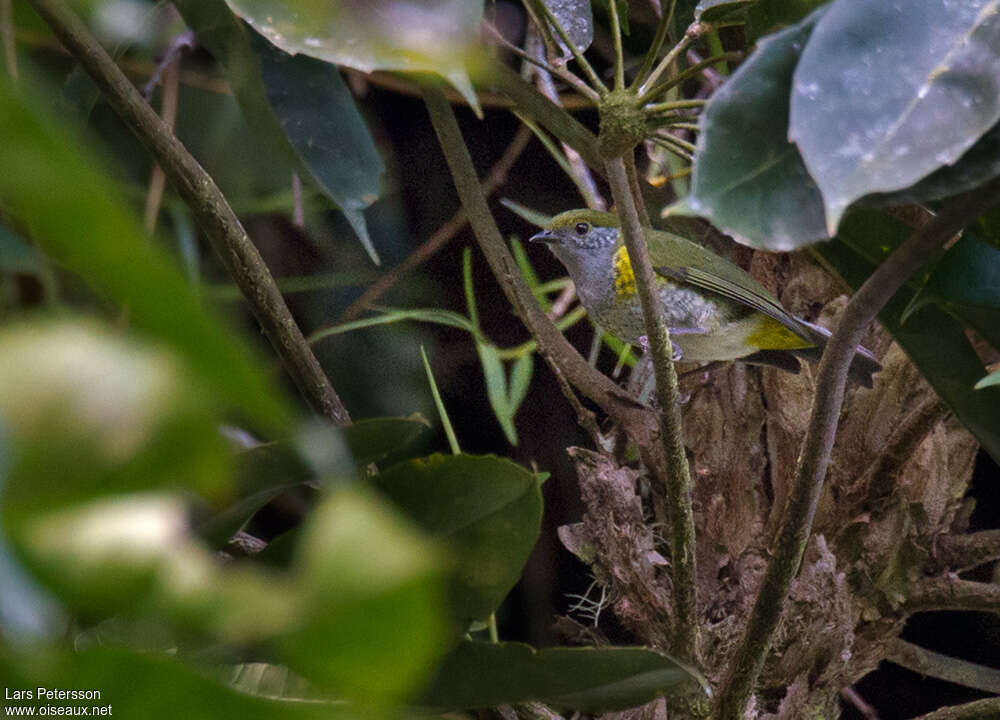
(675, 352)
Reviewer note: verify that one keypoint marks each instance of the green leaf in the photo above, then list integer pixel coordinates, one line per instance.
(886, 93)
(89, 413)
(991, 380)
(431, 36)
(536, 218)
(299, 104)
(590, 680)
(933, 340)
(486, 510)
(323, 125)
(390, 315)
(496, 389)
(77, 216)
(966, 283)
(748, 179)
(520, 380)
(372, 600)
(767, 17)
(143, 685)
(373, 440)
(715, 10)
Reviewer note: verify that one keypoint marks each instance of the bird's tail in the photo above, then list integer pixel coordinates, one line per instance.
(863, 366)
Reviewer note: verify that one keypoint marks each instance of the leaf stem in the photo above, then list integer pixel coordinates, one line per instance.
(208, 207)
(616, 36)
(674, 105)
(814, 458)
(676, 482)
(662, 31)
(689, 72)
(694, 31)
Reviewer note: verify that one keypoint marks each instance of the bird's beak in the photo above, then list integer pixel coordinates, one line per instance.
(546, 236)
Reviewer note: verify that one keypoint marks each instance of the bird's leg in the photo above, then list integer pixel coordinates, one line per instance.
(675, 355)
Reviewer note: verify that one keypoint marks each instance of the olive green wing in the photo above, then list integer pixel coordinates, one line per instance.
(683, 261)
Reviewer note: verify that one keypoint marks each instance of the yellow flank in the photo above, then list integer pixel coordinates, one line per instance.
(772, 335)
(624, 277)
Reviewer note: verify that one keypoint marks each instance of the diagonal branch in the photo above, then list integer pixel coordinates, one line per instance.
(676, 481)
(208, 206)
(963, 552)
(817, 446)
(943, 667)
(988, 709)
(949, 592)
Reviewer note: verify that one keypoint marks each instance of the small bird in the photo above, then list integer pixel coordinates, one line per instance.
(714, 309)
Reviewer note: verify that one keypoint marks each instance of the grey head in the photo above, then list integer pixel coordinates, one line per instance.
(585, 242)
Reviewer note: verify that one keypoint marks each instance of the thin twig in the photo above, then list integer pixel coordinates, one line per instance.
(987, 709)
(616, 37)
(676, 482)
(665, 107)
(662, 31)
(636, 189)
(851, 695)
(689, 72)
(298, 211)
(943, 667)
(694, 31)
(814, 458)
(168, 111)
(208, 207)
(444, 234)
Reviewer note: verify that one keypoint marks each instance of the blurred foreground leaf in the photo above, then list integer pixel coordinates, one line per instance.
(592, 680)
(76, 215)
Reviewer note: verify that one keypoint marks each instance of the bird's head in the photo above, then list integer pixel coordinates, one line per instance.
(585, 241)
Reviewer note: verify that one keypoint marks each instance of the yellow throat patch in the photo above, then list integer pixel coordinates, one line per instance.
(624, 277)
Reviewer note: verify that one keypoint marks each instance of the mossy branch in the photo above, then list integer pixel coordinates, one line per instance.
(817, 446)
(676, 480)
(943, 667)
(209, 207)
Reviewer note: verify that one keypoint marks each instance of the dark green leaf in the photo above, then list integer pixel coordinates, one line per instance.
(435, 36)
(496, 389)
(374, 439)
(520, 380)
(770, 16)
(966, 282)
(298, 104)
(77, 216)
(715, 10)
(320, 120)
(886, 93)
(748, 179)
(387, 316)
(591, 680)
(934, 341)
(486, 509)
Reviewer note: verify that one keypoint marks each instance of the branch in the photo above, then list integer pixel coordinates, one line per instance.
(208, 206)
(949, 592)
(962, 552)
(547, 114)
(988, 709)
(444, 234)
(563, 357)
(676, 480)
(943, 667)
(817, 445)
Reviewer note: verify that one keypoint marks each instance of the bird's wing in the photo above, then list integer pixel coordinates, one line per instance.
(681, 260)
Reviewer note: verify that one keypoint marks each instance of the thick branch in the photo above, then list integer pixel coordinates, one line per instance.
(943, 667)
(814, 458)
(962, 552)
(208, 206)
(949, 592)
(987, 709)
(676, 480)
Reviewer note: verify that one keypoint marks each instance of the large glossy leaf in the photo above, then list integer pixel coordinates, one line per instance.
(298, 103)
(413, 35)
(717, 10)
(480, 675)
(77, 216)
(934, 340)
(486, 509)
(748, 179)
(886, 93)
(140, 685)
(767, 17)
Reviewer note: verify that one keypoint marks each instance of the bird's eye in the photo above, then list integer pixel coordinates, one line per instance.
(582, 228)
